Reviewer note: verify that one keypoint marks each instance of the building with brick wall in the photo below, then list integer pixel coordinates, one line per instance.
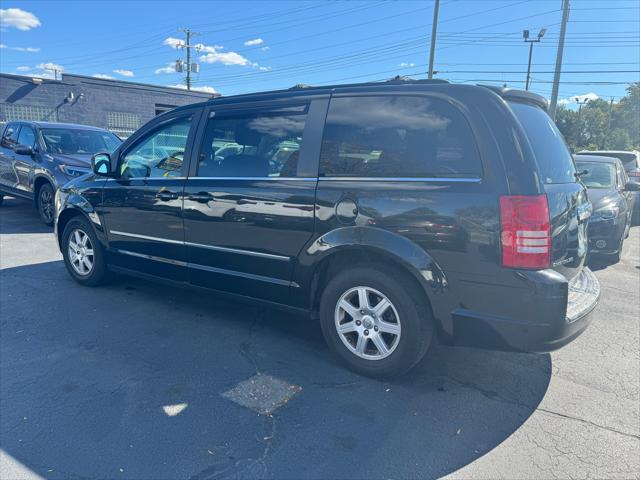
(116, 105)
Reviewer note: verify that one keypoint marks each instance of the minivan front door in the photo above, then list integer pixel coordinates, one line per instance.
(249, 199)
(142, 207)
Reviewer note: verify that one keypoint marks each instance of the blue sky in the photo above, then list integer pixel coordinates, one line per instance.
(258, 45)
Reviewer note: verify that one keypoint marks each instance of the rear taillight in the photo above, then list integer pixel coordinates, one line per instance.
(526, 236)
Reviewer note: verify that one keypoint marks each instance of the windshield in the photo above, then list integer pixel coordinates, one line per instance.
(75, 141)
(552, 155)
(599, 175)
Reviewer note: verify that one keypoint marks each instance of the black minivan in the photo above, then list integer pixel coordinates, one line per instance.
(398, 213)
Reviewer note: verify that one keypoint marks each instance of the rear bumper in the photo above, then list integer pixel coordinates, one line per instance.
(562, 318)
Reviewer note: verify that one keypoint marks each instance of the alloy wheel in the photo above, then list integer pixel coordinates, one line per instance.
(80, 252)
(367, 323)
(46, 204)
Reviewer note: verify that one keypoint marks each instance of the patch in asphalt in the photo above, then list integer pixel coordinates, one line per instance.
(262, 393)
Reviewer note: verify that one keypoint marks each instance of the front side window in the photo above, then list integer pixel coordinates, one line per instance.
(253, 143)
(397, 136)
(159, 154)
(27, 136)
(76, 141)
(10, 136)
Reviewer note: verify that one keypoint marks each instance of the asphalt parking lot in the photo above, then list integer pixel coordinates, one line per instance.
(131, 381)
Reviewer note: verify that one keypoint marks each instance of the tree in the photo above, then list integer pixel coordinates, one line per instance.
(600, 125)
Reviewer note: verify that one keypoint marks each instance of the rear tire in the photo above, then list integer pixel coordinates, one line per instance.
(83, 254)
(45, 203)
(376, 339)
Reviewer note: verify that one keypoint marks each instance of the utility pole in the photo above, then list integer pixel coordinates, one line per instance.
(556, 75)
(580, 104)
(604, 140)
(434, 30)
(531, 41)
(55, 72)
(189, 67)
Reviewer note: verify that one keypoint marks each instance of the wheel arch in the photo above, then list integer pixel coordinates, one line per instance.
(349, 246)
(38, 182)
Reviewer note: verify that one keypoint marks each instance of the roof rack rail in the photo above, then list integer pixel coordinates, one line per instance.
(300, 85)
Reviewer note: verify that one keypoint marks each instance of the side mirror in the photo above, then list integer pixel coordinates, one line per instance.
(23, 150)
(632, 187)
(101, 164)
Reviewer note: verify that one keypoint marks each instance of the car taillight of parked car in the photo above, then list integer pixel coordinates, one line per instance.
(526, 234)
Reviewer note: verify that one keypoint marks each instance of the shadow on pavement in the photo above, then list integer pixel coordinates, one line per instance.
(23, 217)
(86, 372)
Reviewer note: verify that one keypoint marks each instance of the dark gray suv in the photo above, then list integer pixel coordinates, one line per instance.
(38, 157)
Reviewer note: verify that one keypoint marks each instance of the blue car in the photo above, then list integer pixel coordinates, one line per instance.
(36, 158)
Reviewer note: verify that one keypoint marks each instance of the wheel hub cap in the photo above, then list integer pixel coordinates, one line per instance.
(367, 323)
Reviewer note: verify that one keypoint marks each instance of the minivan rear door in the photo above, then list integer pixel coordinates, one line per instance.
(569, 207)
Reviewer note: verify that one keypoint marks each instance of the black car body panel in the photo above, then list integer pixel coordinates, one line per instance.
(606, 230)
(275, 237)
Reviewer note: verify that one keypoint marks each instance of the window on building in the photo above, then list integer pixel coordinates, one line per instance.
(123, 124)
(397, 136)
(162, 108)
(11, 112)
(253, 144)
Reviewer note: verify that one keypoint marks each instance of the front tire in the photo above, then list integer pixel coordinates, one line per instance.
(45, 203)
(376, 320)
(83, 254)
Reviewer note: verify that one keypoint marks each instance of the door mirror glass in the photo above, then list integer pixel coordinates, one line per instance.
(101, 164)
(632, 187)
(23, 150)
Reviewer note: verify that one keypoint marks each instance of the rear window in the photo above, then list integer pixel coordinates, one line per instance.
(629, 160)
(598, 175)
(552, 155)
(397, 136)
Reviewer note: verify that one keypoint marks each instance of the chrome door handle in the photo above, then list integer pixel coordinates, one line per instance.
(166, 196)
(201, 197)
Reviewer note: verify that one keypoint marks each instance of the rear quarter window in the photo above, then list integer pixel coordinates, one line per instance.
(549, 147)
(397, 137)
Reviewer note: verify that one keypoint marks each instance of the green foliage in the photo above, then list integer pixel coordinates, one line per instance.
(601, 125)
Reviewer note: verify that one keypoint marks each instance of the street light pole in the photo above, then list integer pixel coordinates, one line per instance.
(531, 41)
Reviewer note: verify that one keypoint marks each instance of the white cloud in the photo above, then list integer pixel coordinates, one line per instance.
(586, 96)
(204, 88)
(255, 41)
(103, 76)
(23, 68)
(173, 42)
(17, 18)
(50, 66)
(170, 68)
(20, 49)
(124, 73)
(264, 49)
(226, 58)
(405, 64)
